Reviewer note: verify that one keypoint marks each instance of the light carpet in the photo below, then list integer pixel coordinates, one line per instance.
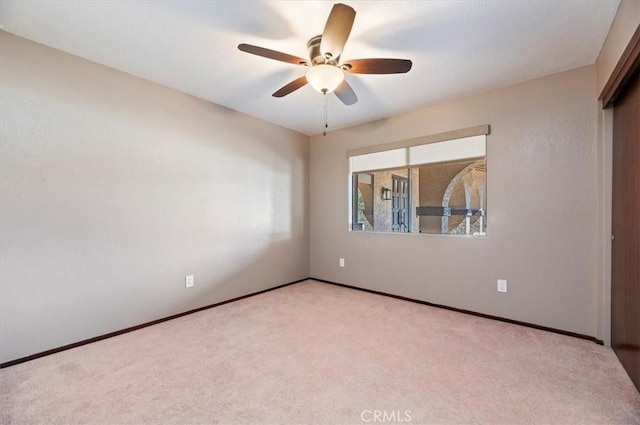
(314, 353)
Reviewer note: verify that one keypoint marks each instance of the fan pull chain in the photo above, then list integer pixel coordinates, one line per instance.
(326, 107)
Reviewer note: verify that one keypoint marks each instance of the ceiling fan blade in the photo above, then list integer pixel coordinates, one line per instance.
(291, 87)
(272, 54)
(337, 30)
(377, 66)
(345, 93)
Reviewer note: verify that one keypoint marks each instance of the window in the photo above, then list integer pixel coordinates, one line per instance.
(435, 184)
(363, 201)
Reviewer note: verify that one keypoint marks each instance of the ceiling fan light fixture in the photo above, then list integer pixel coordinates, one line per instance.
(325, 72)
(325, 78)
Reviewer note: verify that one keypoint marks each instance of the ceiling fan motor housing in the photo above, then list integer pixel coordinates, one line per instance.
(316, 56)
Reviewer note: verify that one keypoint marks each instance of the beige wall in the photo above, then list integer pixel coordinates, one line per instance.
(541, 164)
(114, 188)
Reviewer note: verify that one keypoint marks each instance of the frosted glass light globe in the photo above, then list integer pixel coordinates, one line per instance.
(325, 78)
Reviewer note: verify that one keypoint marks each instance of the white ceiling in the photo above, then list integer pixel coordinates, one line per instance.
(457, 47)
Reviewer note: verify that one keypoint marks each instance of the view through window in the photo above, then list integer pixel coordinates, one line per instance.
(438, 187)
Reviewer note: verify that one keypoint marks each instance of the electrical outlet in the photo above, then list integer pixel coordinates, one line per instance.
(342, 262)
(502, 285)
(189, 282)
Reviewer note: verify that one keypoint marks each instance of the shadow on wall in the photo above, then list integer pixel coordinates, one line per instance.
(114, 189)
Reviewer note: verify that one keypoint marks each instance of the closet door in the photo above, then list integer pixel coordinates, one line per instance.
(625, 245)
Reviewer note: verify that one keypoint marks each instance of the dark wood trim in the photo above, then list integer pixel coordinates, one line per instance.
(135, 328)
(175, 316)
(473, 313)
(627, 64)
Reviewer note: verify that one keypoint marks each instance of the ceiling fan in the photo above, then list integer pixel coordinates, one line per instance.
(326, 71)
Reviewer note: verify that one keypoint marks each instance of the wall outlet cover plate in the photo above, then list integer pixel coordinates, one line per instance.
(502, 285)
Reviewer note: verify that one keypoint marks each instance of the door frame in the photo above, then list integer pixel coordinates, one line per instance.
(623, 70)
